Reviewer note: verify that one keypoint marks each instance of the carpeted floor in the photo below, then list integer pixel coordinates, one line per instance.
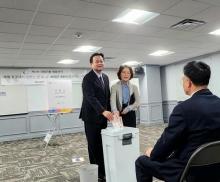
(27, 160)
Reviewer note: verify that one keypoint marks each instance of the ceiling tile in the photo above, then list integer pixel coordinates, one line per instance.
(13, 28)
(45, 31)
(20, 4)
(186, 8)
(44, 19)
(57, 52)
(38, 46)
(15, 16)
(207, 39)
(39, 39)
(100, 12)
(150, 5)
(119, 28)
(208, 27)
(120, 3)
(88, 24)
(61, 48)
(31, 52)
(85, 34)
(66, 41)
(213, 2)
(15, 45)
(7, 37)
(164, 21)
(63, 7)
(104, 36)
(8, 51)
(177, 34)
(209, 15)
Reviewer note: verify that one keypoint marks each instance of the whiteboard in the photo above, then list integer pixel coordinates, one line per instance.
(23, 98)
(37, 98)
(13, 100)
(77, 94)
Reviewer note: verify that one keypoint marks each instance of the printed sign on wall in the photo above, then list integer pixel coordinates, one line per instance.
(59, 94)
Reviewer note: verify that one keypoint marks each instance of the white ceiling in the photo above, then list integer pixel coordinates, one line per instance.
(38, 33)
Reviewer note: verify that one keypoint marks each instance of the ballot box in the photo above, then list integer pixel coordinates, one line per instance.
(121, 149)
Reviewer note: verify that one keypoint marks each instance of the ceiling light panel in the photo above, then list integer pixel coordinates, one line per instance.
(87, 48)
(131, 63)
(68, 61)
(135, 16)
(161, 53)
(215, 32)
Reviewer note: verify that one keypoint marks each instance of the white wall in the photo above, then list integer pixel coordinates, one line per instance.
(171, 78)
(112, 74)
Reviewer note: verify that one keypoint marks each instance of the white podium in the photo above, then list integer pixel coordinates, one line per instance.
(121, 149)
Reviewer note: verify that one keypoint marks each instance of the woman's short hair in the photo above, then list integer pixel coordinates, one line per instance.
(121, 69)
(96, 54)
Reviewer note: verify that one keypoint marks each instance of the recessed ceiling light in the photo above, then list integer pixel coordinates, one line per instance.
(215, 32)
(135, 16)
(87, 48)
(161, 53)
(68, 61)
(131, 63)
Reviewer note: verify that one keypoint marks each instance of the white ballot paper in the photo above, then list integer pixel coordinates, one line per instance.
(117, 122)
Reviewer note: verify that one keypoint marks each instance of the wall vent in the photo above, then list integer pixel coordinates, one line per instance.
(187, 24)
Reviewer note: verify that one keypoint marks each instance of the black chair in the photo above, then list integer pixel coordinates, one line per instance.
(203, 160)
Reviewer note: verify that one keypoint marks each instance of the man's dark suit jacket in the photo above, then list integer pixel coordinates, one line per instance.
(192, 123)
(95, 98)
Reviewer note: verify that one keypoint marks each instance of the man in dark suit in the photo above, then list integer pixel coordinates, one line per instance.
(95, 110)
(192, 123)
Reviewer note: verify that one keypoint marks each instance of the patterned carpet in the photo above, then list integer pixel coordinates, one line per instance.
(27, 160)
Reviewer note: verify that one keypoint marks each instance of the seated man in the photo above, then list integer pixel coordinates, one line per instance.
(192, 123)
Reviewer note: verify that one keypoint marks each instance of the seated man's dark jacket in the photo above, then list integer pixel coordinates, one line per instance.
(192, 123)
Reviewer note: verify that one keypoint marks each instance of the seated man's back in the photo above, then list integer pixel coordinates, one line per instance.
(192, 123)
(201, 115)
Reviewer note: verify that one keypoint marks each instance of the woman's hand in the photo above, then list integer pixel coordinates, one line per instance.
(116, 114)
(126, 110)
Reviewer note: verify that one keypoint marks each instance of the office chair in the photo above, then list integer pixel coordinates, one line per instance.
(207, 155)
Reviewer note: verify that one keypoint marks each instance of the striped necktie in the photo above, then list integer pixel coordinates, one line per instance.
(102, 83)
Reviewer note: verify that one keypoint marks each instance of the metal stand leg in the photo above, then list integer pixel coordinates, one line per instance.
(53, 117)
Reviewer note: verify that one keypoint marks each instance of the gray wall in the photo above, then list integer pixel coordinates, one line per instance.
(151, 100)
(171, 82)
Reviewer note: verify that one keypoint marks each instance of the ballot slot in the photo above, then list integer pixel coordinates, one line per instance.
(127, 139)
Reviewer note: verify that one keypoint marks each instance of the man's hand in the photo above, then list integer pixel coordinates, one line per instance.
(148, 151)
(108, 115)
